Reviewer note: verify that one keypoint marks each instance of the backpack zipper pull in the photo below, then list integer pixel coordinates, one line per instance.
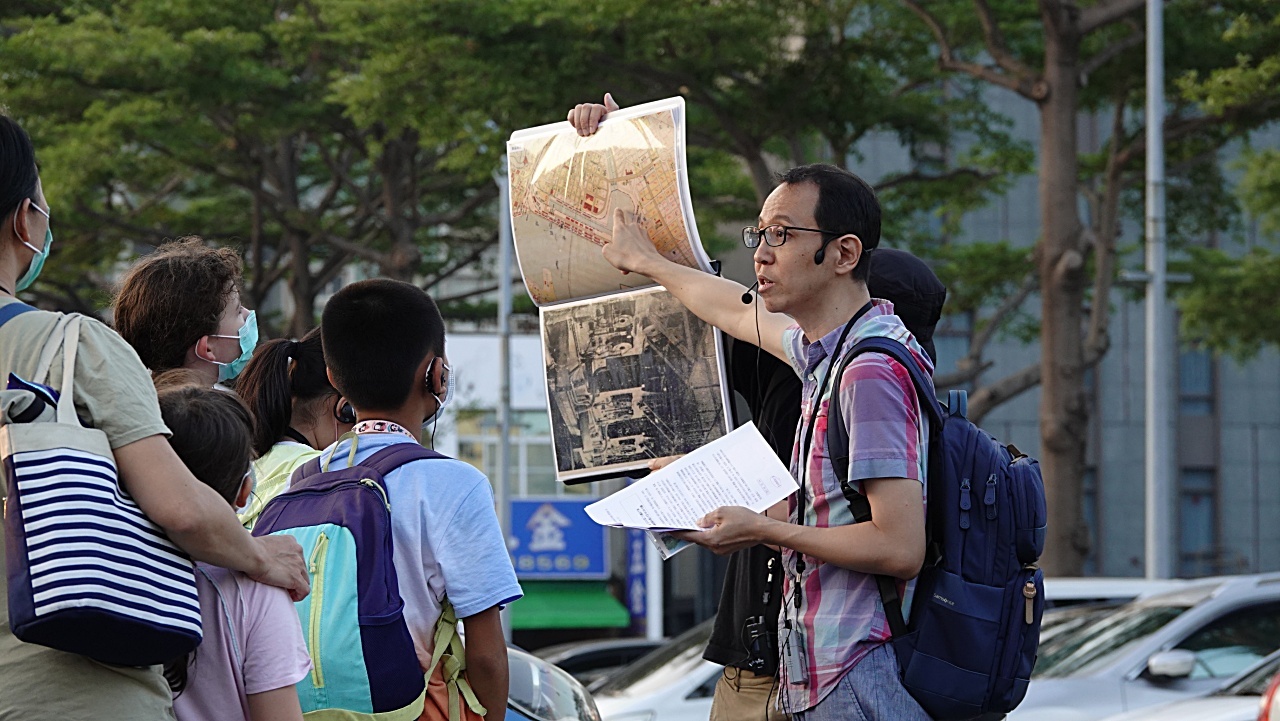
(965, 504)
(990, 499)
(1029, 593)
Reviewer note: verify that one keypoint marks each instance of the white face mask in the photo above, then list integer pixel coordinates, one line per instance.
(450, 388)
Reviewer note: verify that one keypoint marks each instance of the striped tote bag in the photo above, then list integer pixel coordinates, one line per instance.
(88, 572)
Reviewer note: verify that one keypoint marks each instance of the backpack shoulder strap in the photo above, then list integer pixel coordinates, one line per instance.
(838, 450)
(838, 435)
(13, 310)
(397, 454)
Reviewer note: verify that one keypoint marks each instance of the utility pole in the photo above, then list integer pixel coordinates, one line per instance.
(1161, 352)
(502, 486)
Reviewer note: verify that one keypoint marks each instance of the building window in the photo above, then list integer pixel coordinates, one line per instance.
(1197, 523)
(532, 463)
(1089, 509)
(1195, 382)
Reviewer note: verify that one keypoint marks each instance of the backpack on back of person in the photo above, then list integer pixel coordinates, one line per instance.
(363, 659)
(970, 642)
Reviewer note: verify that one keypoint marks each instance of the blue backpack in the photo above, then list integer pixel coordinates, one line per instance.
(362, 655)
(974, 627)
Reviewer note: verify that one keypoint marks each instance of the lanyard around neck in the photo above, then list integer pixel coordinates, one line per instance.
(381, 427)
(801, 497)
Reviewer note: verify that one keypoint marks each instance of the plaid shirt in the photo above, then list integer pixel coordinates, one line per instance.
(841, 618)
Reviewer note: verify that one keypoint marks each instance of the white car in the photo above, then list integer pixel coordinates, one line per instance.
(1237, 701)
(1157, 649)
(672, 683)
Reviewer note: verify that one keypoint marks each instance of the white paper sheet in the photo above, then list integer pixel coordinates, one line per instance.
(739, 469)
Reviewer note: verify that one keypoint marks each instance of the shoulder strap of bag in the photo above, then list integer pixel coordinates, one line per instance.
(449, 651)
(13, 310)
(66, 399)
(50, 350)
(838, 449)
(392, 457)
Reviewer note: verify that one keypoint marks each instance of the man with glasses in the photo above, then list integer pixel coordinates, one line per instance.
(813, 242)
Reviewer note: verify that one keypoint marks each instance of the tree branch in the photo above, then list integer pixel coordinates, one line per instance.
(1107, 12)
(1110, 53)
(915, 176)
(1032, 89)
(997, 48)
(983, 400)
(360, 251)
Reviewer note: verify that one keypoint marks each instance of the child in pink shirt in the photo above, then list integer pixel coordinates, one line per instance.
(253, 650)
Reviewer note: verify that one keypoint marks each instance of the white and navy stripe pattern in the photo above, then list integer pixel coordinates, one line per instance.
(88, 545)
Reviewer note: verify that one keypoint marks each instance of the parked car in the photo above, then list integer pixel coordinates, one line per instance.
(541, 692)
(671, 683)
(589, 661)
(1091, 590)
(1239, 700)
(1158, 649)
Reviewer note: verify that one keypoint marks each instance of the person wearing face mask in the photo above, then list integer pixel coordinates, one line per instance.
(113, 393)
(296, 409)
(180, 308)
(384, 345)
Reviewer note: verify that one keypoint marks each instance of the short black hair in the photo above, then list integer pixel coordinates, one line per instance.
(18, 174)
(376, 333)
(846, 204)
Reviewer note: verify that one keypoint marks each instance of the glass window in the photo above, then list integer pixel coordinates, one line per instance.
(1234, 642)
(1195, 382)
(1099, 641)
(1197, 524)
(1089, 507)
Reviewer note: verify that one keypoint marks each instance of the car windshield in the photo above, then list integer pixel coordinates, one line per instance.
(543, 692)
(676, 659)
(1101, 639)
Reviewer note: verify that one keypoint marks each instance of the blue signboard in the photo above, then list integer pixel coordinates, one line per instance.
(553, 538)
(637, 596)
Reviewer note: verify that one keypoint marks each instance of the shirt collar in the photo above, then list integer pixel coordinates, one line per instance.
(825, 347)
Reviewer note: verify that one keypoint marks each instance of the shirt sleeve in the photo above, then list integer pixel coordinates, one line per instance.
(275, 653)
(793, 346)
(473, 555)
(881, 413)
(113, 390)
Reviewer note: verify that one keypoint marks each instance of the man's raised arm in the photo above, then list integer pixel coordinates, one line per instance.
(718, 301)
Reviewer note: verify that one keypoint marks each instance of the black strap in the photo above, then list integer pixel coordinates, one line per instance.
(295, 435)
(13, 310)
(801, 497)
(838, 450)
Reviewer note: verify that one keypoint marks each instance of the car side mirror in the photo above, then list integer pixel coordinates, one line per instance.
(1174, 664)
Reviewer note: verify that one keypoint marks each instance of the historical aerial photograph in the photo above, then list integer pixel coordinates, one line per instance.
(630, 377)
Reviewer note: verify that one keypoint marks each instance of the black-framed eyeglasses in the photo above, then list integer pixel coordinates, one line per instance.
(775, 235)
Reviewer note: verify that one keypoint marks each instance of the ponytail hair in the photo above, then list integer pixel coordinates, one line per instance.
(282, 371)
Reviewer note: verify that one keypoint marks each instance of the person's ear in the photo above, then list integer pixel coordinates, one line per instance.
(246, 489)
(20, 225)
(850, 253)
(430, 373)
(202, 349)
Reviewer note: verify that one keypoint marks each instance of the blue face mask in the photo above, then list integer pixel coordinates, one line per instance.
(248, 337)
(37, 263)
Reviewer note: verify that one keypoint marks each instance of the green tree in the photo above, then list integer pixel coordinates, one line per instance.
(1069, 58)
(161, 118)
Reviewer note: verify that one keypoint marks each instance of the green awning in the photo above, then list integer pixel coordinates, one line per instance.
(567, 604)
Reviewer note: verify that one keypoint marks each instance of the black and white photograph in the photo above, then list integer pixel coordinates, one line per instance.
(630, 377)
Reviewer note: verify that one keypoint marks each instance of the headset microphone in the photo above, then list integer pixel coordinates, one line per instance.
(746, 297)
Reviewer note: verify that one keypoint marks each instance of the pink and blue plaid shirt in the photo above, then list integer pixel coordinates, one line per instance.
(841, 617)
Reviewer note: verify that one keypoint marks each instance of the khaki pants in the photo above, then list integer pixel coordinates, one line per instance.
(745, 696)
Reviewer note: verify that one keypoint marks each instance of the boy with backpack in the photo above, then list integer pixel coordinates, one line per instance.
(401, 541)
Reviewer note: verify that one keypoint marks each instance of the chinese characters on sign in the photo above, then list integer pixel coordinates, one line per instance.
(554, 539)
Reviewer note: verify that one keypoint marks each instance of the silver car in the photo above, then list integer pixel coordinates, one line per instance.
(1154, 650)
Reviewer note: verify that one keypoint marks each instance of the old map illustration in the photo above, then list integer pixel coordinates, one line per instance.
(564, 189)
(630, 377)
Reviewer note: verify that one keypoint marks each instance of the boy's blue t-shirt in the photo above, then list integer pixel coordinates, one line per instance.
(445, 535)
